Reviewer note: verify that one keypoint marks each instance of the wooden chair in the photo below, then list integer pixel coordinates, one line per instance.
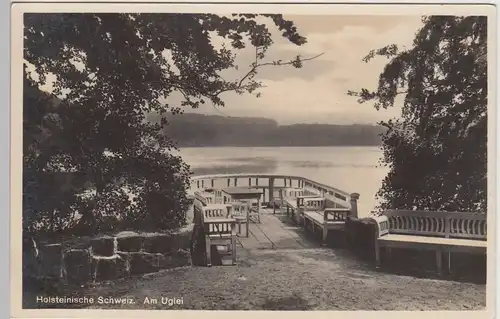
(219, 228)
(240, 212)
(254, 212)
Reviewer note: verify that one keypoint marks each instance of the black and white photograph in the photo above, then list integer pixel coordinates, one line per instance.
(252, 157)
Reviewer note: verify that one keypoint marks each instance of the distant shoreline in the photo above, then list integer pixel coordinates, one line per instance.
(195, 130)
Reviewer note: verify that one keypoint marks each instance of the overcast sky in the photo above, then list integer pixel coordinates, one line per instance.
(316, 93)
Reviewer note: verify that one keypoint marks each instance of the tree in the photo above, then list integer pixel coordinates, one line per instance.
(436, 151)
(110, 71)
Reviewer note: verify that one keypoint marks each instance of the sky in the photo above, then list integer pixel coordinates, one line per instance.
(317, 92)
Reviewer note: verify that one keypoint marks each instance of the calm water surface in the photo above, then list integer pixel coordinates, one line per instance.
(351, 169)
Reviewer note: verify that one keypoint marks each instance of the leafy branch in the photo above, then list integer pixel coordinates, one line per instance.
(238, 86)
(245, 84)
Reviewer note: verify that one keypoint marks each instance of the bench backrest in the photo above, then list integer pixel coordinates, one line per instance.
(336, 214)
(215, 211)
(239, 209)
(204, 213)
(293, 192)
(205, 198)
(220, 228)
(301, 199)
(314, 204)
(437, 224)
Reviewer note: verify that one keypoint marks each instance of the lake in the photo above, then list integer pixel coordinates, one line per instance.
(350, 169)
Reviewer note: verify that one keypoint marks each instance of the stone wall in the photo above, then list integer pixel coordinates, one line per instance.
(85, 259)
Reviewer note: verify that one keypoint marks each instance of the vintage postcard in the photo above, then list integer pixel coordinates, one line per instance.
(327, 158)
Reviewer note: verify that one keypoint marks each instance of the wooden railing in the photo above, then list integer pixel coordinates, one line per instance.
(270, 185)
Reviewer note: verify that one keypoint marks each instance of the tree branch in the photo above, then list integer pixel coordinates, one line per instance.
(256, 65)
(238, 85)
(291, 61)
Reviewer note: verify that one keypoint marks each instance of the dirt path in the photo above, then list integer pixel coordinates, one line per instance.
(299, 279)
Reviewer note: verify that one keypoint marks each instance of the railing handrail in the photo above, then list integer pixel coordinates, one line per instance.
(439, 213)
(258, 175)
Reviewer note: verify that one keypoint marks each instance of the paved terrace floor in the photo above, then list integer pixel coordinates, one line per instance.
(273, 232)
(279, 268)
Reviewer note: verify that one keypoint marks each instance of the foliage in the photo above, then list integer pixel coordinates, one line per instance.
(110, 71)
(436, 151)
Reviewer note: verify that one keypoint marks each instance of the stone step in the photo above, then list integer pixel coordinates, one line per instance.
(226, 261)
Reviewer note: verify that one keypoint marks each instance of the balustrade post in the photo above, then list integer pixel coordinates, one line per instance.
(271, 190)
(229, 209)
(354, 205)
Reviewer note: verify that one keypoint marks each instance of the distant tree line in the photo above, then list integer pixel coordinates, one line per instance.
(197, 130)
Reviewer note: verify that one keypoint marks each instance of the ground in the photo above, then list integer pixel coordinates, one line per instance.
(281, 269)
(300, 279)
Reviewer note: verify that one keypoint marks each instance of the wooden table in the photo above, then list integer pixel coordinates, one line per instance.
(243, 194)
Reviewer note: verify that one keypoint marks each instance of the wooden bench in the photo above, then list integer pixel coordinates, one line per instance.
(427, 230)
(315, 213)
(293, 207)
(218, 226)
(328, 219)
(300, 201)
(205, 197)
(309, 204)
(287, 199)
(290, 195)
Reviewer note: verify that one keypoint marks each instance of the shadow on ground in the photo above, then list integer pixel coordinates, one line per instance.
(293, 302)
(466, 268)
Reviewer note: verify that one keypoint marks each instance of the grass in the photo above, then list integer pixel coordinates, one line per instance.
(302, 279)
